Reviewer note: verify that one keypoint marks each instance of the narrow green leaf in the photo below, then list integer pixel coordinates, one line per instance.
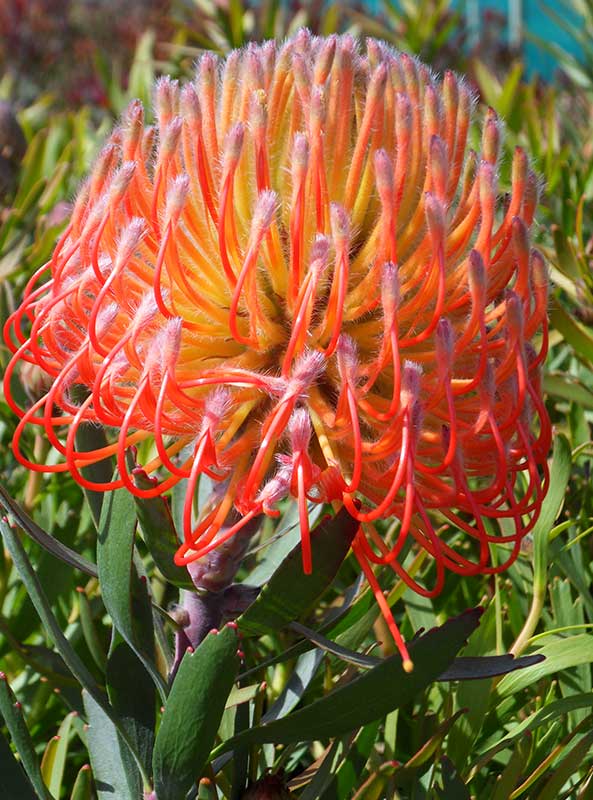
(374, 788)
(89, 629)
(124, 594)
(566, 256)
(158, 531)
(323, 774)
(133, 697)
(53, 188)
(570, 765)
(544, 717)
(350, 656)
(43, 539)
(559, 476)
(515, 767)
(83, 785)
(574, 333)
(489, 85)
(115, 548)
(13, 781)
(509, 94)
(240, 758)
(571, 617)
(243, 694)
(35, 592)
(347, 776)
(54, 758)
(475, 696)
(270, 10)
(559, 655)
(285, 538)
(193, 712)
(91, 437)
(373, 694)
(301, 676)
(290, 594)
(141, 75)
(236, 11)
(11, 711)
(31, 168)
(54, 631)
(115, 772)
(567, 388)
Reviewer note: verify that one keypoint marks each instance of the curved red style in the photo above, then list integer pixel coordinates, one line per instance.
(301, 282)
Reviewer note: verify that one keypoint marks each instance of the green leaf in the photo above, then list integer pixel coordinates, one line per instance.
(89, 629)
(133, 697)
(286, 536)
(83, 785)
(43, 539)
(559, 476)
(566, 256)
(90, 437)
(39, 600)
(11, 711)
(54, 758)
(301, 676)
(290, 594)
(570, 765)
(374, 788)
(115, 772)
(371, 695)
(544, 717)
(141, 75)
(338, 774)
(574, 333)
(560, 654)
(13, 781)
(489, 85)
(475, 696)
(243, 694)
(193, 712)
(54, 631)
(31, 168)
(158, 530)
(236, 11)
(568, 388)
(323, 774)
(124, 594)
(434, 742)
(509, 94)
(344, 653)
(240, 758)
(515, 767)
(569, 615)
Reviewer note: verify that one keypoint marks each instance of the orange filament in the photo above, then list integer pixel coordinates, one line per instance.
(300, 283)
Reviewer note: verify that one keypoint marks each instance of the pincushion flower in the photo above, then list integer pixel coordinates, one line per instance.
(301, 283)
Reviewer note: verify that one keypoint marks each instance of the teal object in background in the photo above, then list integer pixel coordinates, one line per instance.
(526, 17)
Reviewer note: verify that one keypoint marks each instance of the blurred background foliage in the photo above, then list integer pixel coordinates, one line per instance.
(67, 70)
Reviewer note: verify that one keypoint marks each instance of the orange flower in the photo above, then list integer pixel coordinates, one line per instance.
(302, 283)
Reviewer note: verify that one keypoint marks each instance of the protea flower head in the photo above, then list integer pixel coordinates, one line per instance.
(301, 283)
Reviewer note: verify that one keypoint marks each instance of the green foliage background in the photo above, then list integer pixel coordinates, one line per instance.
(86, 657)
